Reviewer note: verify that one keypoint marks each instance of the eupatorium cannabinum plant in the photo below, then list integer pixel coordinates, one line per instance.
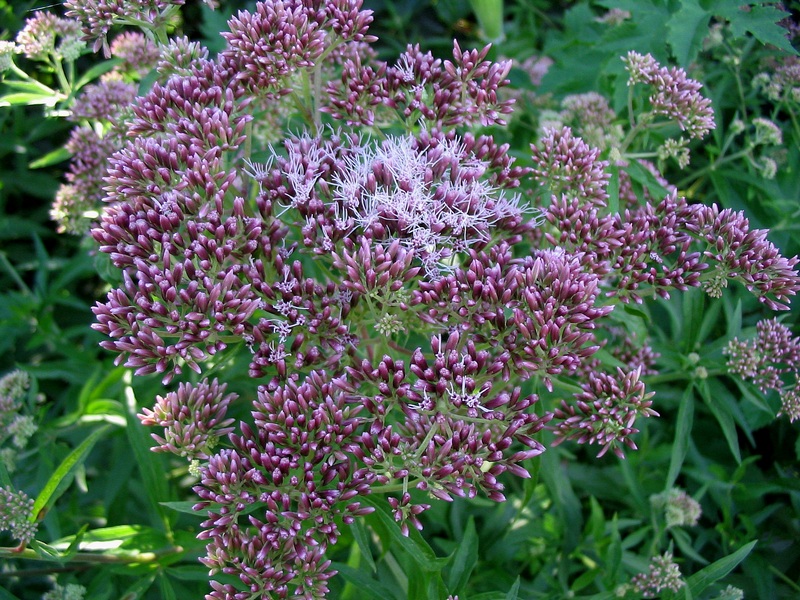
(405, 294)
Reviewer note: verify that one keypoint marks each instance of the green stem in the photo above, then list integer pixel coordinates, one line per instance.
(390, 488)
(679, 376)
(428, 437)
(58, 68)
(25, 77)
(720, 160)
(784, 578)
(90, 557)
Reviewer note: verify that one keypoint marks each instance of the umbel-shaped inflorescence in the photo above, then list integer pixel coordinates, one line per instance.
(392, 292)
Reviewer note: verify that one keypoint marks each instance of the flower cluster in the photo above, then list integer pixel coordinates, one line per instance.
(730, 593)
(670, 245)
(138, 53)
(46, 36)
(767, 360)
(678, 507)
(265, 47)
(99, 17)
(663, 574)
(674, 94)
(387, 294)
(463, 91)
(14, 424)
(295, 467)
(782, 82)
(70, 591)
(193, 418)
(7, 50)
(605, 411)
(99, 112)
(15, 515)
(567, 167)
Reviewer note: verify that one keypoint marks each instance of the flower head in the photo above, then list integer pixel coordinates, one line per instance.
(674, 94)
(15, 514)
(138, 53)
(605, 412)
(680, 509)
(37, 39)
(193, 418)
(7, 51)
(663, 574)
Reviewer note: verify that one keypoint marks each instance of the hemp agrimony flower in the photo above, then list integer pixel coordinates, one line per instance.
(7, 51)
(673, 94)
(15, 513)
(383, 284)
(70, 591)
(767, 360)
(46, 36)
(663, 574)
(678, 507)
(193, 418)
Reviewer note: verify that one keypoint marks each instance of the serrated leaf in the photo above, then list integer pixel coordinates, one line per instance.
(464, 559)
(359, 530)
(62, 477)
(759, 21)
(687, 27)
(706, 577)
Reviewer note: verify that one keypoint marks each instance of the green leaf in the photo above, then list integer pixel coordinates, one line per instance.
(150, 464)
(715, 400)
(188, 572)
(165, 586)
(51, 158)
(6, 595)
(28, 99)
(514, 591)
(5, 480)
(370, 588)
(759, 21)
(613, 190)
(182, 506)
(414, 545)
(31, 87)
(426, 585)
(464, 559)
(641, 175)
(684, 542)
(138, 589)
(683, 430)
(613, 557)
(687, 27)
(62, 477)
(362, 539)
(558, 483)
(95, 72)
(699, 582)
(106, 534)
